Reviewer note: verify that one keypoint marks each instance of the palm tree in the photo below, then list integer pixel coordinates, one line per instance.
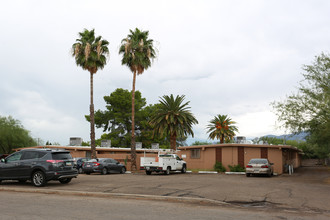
(222, 128)
(173, 118)
(91, 54)
(138, 52)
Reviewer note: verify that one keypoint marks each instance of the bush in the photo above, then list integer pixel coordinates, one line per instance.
(236, 168)
(219, 167)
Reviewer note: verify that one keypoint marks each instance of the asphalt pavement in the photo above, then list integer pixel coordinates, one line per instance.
(306, 191)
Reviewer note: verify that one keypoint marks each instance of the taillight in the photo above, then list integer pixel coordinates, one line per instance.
(264, 166)
(54, 161)
(248, 166)
(96, 164)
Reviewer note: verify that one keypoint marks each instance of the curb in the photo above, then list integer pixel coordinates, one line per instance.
(117, 195)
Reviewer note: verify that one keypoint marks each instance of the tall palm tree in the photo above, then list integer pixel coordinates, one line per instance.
(173, 118)
(91, 54)
(138, 52)
(222, 128)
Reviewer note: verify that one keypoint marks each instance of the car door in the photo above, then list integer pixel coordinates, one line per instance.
(179, 163)
(28, 160)
(113, 165)
(10, 168)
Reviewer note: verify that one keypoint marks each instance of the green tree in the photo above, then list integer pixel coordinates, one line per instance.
(222, 128)
(13, 135)
(91, 53)
(138, 52)
(309, 109)
(173, 118)
(116, 119)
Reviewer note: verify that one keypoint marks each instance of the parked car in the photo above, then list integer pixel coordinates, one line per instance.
(259, 166)
(78, 163)
(39, 166)
(103, 166)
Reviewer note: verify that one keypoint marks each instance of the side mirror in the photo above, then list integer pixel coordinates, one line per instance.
(3, 160)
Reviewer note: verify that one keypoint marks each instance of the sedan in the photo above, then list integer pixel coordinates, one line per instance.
(259, 166)
(103, 166)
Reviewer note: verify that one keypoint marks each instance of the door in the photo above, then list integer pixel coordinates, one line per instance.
(240, 155)
(218, 155)
(264, 152)
(11, 167)
(179, 163)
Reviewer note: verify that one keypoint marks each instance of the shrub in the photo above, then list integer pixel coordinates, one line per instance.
(219, 167)
(236, 168)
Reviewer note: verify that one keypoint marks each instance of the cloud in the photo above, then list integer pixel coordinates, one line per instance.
(226, 57)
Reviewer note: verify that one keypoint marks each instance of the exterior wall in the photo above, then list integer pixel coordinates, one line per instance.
(229, 156)
(250, 153)
(275, 156)
(206, 160)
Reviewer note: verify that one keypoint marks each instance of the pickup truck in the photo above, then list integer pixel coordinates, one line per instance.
(163, 163)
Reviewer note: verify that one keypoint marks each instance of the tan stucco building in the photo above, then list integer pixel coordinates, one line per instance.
(205, 156)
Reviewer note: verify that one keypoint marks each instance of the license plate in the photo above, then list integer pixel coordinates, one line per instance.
(68, 163)
(148, 168)
(256, 171)
(88, 165)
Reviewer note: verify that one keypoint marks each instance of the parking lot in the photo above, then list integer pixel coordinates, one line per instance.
(306, 191)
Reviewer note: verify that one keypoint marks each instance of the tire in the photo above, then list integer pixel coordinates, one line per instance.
(88, 173)
(184, 169)
(38, 179)
(148, 172)
(248, 175)
(65, 181)
(269, 174)
(104, 171)
(123, 170)
(80, 170)
(168, 170)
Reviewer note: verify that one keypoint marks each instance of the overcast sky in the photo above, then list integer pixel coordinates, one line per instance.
(227, 57)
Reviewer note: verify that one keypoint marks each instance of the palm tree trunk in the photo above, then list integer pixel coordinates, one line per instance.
(173, 142)
(133, 147)
(91, 114)
(222, 139)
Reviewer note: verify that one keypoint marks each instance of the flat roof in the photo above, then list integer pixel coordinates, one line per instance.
(240, 145)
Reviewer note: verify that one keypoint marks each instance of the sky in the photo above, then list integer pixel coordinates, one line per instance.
(230, 57)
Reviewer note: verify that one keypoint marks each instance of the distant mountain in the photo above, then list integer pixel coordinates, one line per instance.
(298, 137)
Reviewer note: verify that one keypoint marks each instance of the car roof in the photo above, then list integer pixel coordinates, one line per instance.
(46, 149)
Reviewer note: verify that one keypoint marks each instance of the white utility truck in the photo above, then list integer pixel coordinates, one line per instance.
(163, 163)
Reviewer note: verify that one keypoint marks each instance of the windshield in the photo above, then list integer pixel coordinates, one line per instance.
(258, 161)
(62, 156)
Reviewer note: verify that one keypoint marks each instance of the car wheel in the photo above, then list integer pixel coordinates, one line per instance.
(65, 181)
(269, 174)
(248, 175)
(104, 171)
(148, 172)
(80, 170)
(123, 170)
(88, 173)
(167, 172)
(38, 179)
(184, 169)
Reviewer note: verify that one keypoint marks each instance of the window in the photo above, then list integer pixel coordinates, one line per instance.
(195, 153)
(61, 156)
(28, 155)
(14, 157)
